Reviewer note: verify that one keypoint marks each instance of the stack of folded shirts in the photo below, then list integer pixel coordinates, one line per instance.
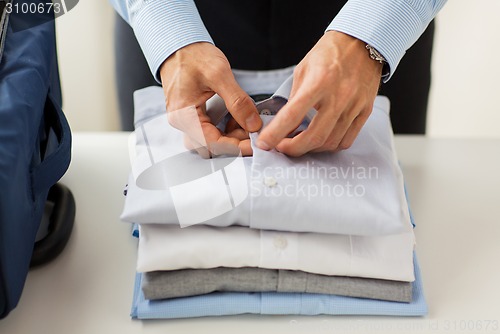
(268, 234)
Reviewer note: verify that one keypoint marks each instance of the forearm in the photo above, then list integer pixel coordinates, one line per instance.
(162, 27)
(389, 26)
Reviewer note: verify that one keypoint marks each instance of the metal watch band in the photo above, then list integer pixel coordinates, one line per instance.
(375, 55)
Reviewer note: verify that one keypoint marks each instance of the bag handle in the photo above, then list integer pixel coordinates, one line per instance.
(53, 167)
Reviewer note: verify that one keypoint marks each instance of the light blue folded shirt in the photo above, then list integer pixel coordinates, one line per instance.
(273, 303)
(320, 192)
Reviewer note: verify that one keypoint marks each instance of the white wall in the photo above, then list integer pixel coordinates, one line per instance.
(85, 49)
(465, 94)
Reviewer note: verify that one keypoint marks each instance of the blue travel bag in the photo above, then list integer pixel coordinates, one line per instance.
(35, 152)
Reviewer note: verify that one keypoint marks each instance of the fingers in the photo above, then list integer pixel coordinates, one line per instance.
(209, 141)
(317, 138)
(238, 103)
(200, 137)
(204, 137)
(285, 121)
(246, 119)
(239, 134)
(354, 129)
(336, 78)
(190, 77)
(190, 120)
(191, 145)
(231, 146)
(313, 137)
(224, 145)
(341, 127)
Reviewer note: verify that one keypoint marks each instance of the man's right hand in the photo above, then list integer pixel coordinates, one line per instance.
(190, 77)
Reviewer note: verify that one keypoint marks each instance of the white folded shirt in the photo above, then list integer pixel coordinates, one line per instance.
(164, 247)
(358, 191)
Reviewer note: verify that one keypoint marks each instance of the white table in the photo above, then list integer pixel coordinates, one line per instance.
(453, 188)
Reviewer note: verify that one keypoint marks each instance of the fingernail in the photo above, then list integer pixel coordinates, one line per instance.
(263, 145)
(253, 123)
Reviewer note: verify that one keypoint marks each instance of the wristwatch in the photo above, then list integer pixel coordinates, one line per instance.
(375, 55)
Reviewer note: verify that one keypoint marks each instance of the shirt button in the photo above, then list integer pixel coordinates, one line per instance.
(270, 182)
(280, 242)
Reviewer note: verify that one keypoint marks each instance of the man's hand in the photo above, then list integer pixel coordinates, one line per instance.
(340, 81)
(190, 77)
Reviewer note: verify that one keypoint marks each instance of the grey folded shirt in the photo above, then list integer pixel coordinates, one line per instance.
(191, 282)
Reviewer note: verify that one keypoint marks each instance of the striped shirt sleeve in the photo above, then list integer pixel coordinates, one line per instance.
(390, 26)
(162, 27)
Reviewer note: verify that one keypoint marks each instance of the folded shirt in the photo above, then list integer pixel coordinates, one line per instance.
(358, 191)
(193, 282)
(232, 303)
(167, 247)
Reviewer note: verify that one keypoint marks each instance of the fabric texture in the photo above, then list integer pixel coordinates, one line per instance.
(266, 34)
(248, 46)
(164, 26)
(368, 172)
(192, 282)
(232, 303)
(164, 247)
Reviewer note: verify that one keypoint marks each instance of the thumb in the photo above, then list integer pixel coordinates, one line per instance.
(239, 104)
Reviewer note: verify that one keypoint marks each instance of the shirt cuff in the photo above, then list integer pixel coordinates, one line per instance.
(121, 8)
(164, 26)
(391, 27)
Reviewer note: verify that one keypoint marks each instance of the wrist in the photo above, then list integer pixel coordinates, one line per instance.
(362, 51)
(190, 54)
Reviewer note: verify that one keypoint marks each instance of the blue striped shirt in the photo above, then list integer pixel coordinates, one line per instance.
(164, 26)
